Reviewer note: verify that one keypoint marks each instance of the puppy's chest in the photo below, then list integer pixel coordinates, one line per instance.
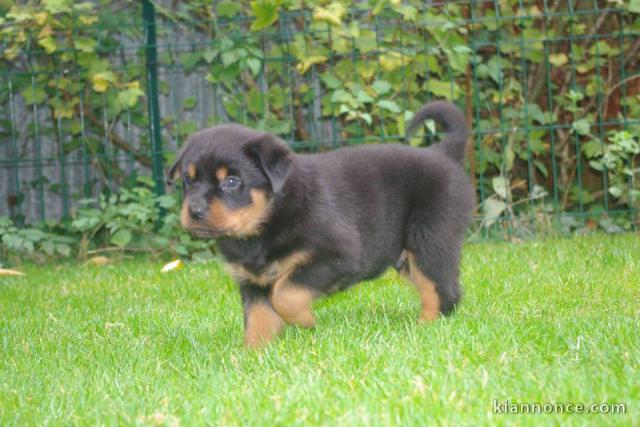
(252, 265)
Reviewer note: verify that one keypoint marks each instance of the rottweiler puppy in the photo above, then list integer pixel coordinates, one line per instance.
(293, 227)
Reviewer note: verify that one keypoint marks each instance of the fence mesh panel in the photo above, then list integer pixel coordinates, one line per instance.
(551, 90)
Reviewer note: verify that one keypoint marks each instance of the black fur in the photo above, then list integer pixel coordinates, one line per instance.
(355, 210)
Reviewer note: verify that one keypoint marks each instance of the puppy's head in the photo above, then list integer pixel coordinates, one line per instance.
(230, 175)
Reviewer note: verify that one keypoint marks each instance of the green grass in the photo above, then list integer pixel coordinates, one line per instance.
(545, 321)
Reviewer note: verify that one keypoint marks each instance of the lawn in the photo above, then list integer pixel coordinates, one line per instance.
(546, 321)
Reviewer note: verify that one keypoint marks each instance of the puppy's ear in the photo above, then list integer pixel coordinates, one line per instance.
(175, 171)
(273, 157)
(172, 173)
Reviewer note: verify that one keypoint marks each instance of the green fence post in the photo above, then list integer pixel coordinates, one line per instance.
(151, 59)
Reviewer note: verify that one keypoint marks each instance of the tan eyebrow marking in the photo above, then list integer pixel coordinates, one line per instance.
(222, 172)
(191, 170)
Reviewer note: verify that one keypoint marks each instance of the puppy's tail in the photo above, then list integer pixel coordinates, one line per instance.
(454, 122)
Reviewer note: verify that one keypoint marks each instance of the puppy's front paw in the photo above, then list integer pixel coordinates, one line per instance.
(293, 303)
(263, 325)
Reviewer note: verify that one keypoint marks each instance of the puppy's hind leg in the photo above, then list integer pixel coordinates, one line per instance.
(433, 267)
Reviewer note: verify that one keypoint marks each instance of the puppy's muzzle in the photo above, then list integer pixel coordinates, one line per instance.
(197, 211)
(196, 221)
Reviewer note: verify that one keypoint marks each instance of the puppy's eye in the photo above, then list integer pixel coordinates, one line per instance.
(231, 182)
(186, 179)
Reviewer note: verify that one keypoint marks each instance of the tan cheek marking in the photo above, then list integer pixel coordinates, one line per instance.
(426, 289)
(221, 173)
(241, 222)
(191, 170)
(184, 216)
(263, 324)
(272, 272)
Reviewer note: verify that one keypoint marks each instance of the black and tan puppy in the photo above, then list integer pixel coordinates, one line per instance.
(293, 227)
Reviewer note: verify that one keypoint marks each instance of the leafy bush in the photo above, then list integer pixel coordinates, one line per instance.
(29, 241)
(134, 220)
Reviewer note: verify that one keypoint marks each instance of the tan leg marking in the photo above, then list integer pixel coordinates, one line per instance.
(221, 173)
(425, 287)
(293, 303)
(263, 324)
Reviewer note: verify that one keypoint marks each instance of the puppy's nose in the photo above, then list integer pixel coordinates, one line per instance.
(196, 213)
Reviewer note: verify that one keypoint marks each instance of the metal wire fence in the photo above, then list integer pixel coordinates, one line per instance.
(551, 91)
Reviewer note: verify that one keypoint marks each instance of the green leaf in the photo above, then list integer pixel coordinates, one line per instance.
(381, 87)
(186, 127)
(209, 54)
(166, 201)
(32, 234)
(366, 42)
(102, 80)
(331, 81)
(341, 96)
(85, 44)
(48, 43)
(392, 60)
(597, 165)
(266, 13)
(615, 191)
(83, 6)
(48, 248)
(431, 126)
(458, 59)
(492, 210)
(121, 238)
(129, 97)
(181, 250)
(34, 95)
(230, 57)
(541, 167)
(87, 220)
(592, 148)
(202, 255)
(303, 66)
(389, 105)
(500, 186)
(558, 59)
(255, 65)
(409, 13)
(581, 127)
(190, 102)
(332, 14)
(57, 6)
(363, 97)
(634, 6)
(447, 90)
(228, 9)
(189, 60)
(63, 249)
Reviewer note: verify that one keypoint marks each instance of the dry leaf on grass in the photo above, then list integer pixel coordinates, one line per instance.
(99, 260)
(172, 266)
(6, 272)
